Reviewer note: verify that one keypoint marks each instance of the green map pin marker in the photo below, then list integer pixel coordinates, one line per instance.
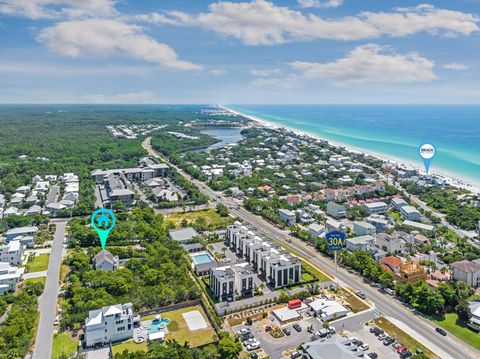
(103, 220)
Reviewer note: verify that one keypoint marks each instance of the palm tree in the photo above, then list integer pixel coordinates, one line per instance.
(326, 325)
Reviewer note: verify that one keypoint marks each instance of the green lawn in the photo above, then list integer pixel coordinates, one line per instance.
(36, 280)
(306, 277)
(178, 328)
(459, 329)
(39, 263)
(130, 346)
(62, 343)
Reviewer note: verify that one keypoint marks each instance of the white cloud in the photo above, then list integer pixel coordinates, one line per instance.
(456, 66)
(106, 37)
(265, 72)
(51, 9)
(260, 22)
(320, 4)
(370, 63)
(127, 98)
(217, 72)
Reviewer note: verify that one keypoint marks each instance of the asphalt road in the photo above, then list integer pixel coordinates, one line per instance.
(446, 347)
(48, 300)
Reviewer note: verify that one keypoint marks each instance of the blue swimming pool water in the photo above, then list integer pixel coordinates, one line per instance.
(158, 325)
(202, 258)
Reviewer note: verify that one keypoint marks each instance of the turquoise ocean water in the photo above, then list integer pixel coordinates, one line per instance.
(392, 130)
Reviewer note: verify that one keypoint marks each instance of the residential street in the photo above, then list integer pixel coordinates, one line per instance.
(446, 347)
(48, 300)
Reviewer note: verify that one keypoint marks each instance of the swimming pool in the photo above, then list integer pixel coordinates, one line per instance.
(158, 325)
(202, 258)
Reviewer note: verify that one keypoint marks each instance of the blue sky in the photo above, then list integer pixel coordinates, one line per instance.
(305, 51)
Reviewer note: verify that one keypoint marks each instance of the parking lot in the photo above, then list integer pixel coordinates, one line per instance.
(274, 347)
(375, 345)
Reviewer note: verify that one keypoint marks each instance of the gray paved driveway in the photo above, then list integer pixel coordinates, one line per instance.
(48, 300)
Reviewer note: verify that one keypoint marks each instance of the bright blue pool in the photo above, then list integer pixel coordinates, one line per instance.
(202, 258)
(158, 325)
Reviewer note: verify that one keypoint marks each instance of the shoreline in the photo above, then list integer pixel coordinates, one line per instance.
(449, 178)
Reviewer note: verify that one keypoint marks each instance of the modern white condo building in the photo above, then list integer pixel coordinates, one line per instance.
(112, 323)
(272, 262)
(230, 282)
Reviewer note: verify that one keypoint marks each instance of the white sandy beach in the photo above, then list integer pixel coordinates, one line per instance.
(449, 178)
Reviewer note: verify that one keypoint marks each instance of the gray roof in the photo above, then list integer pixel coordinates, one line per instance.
(21, 230)
(466, 266)
(360, 239)
(191, 246)
(334, 347)
(182, 234)
(104, 256)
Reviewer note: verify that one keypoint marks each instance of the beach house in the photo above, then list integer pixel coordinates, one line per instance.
(110, 324)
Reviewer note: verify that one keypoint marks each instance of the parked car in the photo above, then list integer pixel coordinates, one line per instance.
(401, 349)
(374, 329)
(441, 331)
(332, 330)
(297, 327)
(389, 291)
(382, 336)
(253, 356)
(286, 331)
(388, 341)
(296, 354)
(246, 336)
(364, 347)
(405, 354)
(372, 355)
(243, 331)
(249, 341)
(354, 340)
(253, 346)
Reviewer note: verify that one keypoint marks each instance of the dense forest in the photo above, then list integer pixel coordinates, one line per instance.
(460, 211)
(73, 138)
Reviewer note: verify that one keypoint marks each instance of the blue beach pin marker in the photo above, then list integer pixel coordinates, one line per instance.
(103, 220)
(427, 152)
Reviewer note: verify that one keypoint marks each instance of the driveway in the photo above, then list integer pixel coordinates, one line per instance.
(48, 300)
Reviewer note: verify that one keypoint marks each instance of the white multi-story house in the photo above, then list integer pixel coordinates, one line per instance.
(364, 228)
(390, 243)
(287, 216)
(271, 262)
(467, 271)
(376, 207)
(112, 323)
(12, 252)
(336, 210)
(26, 235)
(399, 203)
(410, 213)
(9, 277)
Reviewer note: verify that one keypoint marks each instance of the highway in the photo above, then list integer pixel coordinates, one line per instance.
(446, 347)
(48, 300)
